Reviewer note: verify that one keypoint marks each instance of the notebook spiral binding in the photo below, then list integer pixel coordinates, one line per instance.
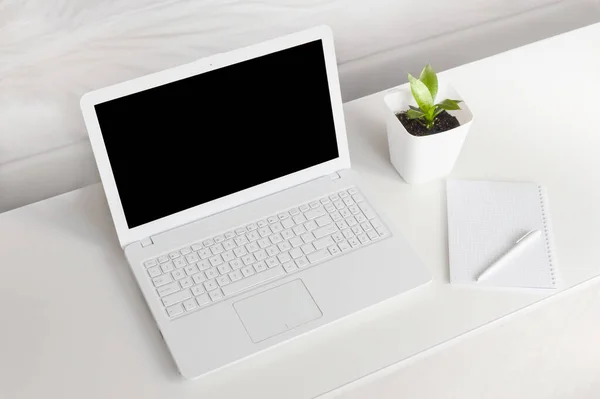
(548, 237)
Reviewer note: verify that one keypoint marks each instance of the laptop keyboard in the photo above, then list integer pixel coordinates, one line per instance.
(216, 268)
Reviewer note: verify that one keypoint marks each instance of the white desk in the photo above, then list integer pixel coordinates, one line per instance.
(75, 326)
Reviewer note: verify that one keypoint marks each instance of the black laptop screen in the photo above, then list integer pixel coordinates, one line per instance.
(191, 141)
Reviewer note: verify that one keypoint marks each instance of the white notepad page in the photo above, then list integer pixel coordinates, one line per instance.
(485, 219)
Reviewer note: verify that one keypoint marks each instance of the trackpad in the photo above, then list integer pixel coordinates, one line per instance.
(277, 310)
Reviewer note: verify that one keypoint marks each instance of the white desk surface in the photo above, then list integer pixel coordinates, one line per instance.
(74, 324)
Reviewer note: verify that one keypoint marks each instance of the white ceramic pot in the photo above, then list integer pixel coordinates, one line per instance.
(420, 159)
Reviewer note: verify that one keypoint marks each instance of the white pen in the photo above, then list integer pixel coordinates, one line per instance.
(521, 244)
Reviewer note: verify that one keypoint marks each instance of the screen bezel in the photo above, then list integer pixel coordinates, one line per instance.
(129, 235)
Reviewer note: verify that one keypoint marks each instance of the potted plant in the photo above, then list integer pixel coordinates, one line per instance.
(425, 137)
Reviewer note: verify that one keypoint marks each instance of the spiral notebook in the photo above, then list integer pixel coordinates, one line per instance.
(485, 219)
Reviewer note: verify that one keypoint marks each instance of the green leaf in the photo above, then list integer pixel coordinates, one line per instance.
(438, 110)
(421, 93)
(449, 105)
(412, 114)
(429, 79)
(415, 108)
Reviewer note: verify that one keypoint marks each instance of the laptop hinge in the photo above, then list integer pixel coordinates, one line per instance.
(334, 176)
(146, 242)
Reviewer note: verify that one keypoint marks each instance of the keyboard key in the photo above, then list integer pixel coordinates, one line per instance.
(162, 280)
(272, 250)
(236, 264)
(253, 236)
(358, 198)
(323, 242)
(339, 205)
(287, 234)
(283, 216)
(228, 256)
(248, 259)
(372, 234)
(252, 280)
(314, 204)
(348, 201)
(310, 225)
(216, 260)
(284, 246)
(229, 235)
(252, 247)
(252, 227)
(217, 249)
(363, 238)
(204, 253)
(163, 259)
(204, 264)
(272, 262)
(366, 226)
(224, 268)
(290, 266)
(296, 253)
(272, 219)
(337, 237)
(287, 223)
(344, 246)
(342, 225)
(186, 282)
(318, 255)
(208, 243)
(343, 194)
(308, 237)
(334, 197)
(235, 275)
(175, 310)
(197, 246)
(248, 271)
(367, 210)
(323, 220)
(276, 227)
(223, 280)
(176, 297)
(330, 208)
(262, 223)
(348, 233)
(265, 231)
(261, 254)
(296, 242)
(284, 257)
(240, 251)
(260, 266)
(346, 213)
(315, 213)
(264, 242)
(376, 223)
(334, 250)
(308, 248)
(325, 231)
(302, 262)
(203, 299)
(211, 273)
(299, 230)
(186, 250)
(154, 271)
(190, 304)
(336, 216)
(150, 263)
(180, 262)
(198, 290)
(240, 231)
(325, 201)
(299, 219)
(382, 232)
(210, 285)
(241, 240)
(199, 278)
(168, 289)
(354, 242)
(357, 230)
(304, 208)
(354, 209)
(215, 295)
(352, 191)
(192, 258)
(294, 211)
(351, 221)
(174, 254)
(167, 267)
(178, 274)
(276, 238)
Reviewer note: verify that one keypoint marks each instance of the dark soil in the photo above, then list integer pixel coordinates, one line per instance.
(444, 122)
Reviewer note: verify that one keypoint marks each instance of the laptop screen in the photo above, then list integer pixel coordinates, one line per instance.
(195, 140)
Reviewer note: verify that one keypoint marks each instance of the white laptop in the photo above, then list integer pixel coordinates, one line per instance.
(229, 183)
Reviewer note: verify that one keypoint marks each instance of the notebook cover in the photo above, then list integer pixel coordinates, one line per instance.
(485, 219)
